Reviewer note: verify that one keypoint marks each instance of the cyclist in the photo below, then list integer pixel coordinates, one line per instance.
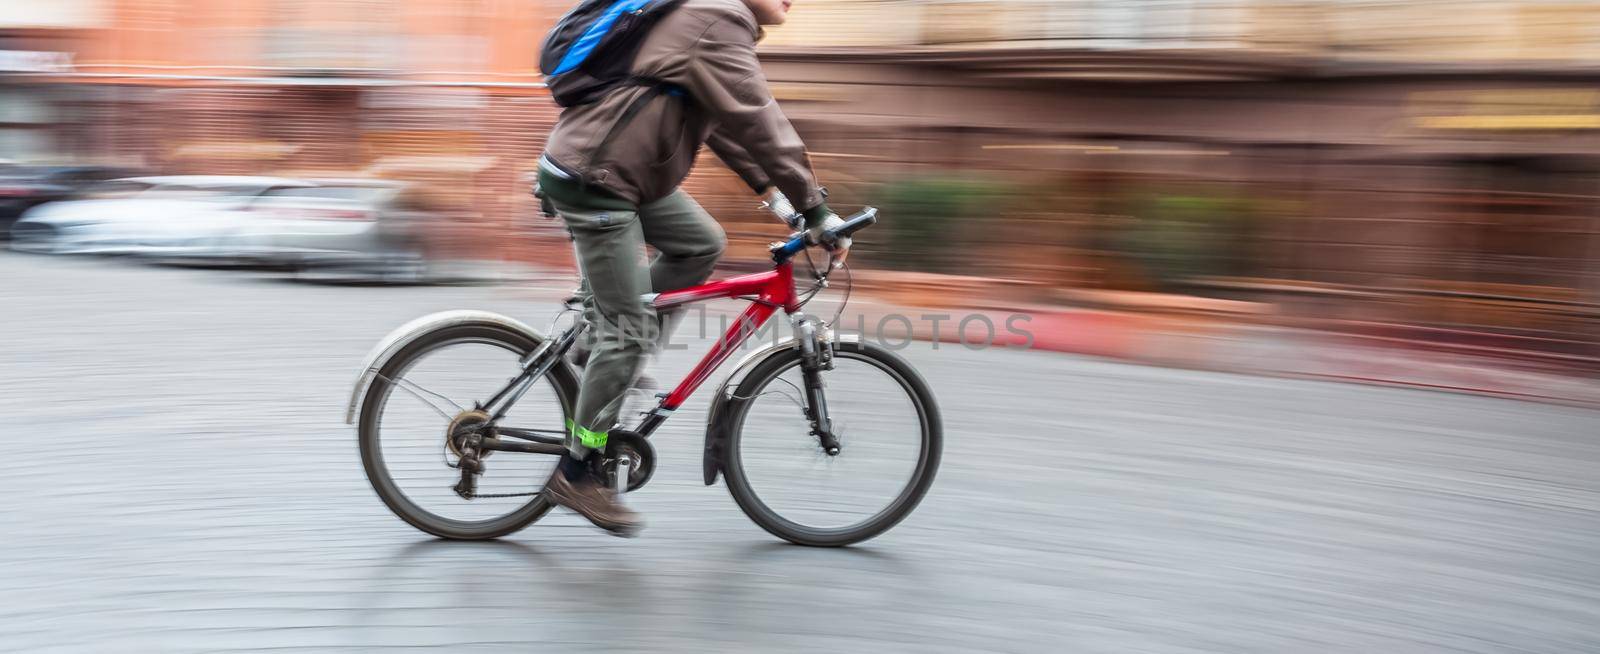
(612, 168)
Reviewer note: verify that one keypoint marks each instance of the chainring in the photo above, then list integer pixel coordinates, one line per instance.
(638, 448)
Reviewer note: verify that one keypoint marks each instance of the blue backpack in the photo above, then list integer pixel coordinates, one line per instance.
(591, 49)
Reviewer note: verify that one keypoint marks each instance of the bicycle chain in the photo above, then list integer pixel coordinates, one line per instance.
(495, 495)
(475, 496)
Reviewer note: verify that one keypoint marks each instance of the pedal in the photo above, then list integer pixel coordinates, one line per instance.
(629, 461)
(620, 477)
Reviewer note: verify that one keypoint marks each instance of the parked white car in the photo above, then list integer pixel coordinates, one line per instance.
(136, 214)
(370, 228)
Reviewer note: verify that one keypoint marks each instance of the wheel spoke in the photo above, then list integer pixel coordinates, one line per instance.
(405, 385)
(441, 396)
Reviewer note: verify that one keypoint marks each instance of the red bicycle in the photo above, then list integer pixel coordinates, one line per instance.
(824, 439)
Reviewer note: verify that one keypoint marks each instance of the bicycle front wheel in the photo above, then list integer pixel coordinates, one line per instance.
(890, 436)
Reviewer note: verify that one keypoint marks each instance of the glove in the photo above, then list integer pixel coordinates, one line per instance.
(818, 220)
(779, 204)
(830, 222)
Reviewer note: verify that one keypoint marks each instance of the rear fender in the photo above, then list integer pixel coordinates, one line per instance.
(410, 332)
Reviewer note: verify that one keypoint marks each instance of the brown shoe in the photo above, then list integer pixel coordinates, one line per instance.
(595, 502)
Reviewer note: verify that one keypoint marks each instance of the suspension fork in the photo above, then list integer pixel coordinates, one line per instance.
(816, 356)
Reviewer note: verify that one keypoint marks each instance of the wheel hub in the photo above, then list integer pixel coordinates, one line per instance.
(463, 427)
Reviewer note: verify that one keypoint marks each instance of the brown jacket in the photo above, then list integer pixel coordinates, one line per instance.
(708, 49)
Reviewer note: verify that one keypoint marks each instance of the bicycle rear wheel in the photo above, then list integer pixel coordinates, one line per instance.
(429, 389)
(890, 434)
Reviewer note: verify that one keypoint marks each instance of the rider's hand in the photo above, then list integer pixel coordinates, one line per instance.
(818, 221)
(840, 247)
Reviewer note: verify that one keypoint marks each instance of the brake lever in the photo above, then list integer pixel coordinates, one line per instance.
(835, 262)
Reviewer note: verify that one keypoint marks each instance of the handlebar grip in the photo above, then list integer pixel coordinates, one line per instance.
(866, 218)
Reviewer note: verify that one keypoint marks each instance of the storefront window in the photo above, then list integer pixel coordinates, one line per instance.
(24, 125)
(1522, 222)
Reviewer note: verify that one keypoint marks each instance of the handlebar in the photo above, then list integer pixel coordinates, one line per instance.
(855, 223)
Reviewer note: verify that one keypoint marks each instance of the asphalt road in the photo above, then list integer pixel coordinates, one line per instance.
(178, 478)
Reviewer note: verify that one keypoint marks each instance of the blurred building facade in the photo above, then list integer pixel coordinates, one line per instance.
(36, 38)
(1365, 165)
(439, 91)
(1413, 163)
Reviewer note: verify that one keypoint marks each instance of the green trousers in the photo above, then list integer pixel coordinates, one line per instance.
(623, 328)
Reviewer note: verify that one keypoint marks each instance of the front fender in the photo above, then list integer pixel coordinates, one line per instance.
(411, 331)
(723, 402)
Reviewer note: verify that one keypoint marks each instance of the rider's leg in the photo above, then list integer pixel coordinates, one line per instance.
(688, 242)
(688, 239)
(610, 251)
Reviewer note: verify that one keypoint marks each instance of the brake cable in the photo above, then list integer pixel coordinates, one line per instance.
(850, 284)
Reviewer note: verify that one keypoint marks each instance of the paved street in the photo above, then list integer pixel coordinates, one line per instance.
(178, 478)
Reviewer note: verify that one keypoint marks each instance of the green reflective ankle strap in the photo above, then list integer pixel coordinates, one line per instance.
(590, 439)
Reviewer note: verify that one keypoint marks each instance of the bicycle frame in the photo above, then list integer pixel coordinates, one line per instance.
(767, 292)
